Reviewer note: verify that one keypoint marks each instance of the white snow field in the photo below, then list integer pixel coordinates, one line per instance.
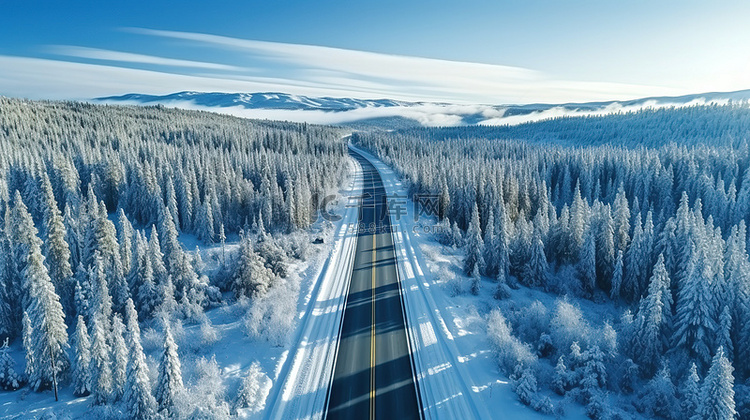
(304, 373)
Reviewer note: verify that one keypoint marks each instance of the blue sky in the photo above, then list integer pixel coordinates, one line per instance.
(468, 51)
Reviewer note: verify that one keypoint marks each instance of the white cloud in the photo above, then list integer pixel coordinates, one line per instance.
(303, 70)
(416, 77)
(431, 115)
(37, 78)
(52, 79)
(119, 56)
(427, 114)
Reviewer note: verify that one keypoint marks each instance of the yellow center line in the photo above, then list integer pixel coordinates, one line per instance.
(372, 336)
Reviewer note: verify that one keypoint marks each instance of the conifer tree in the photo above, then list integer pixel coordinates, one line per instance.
(476, 281)
(102, 243)
(587, 263)
(683, 241)
(168, 303)
(100, 299)
(223, 240)
(659, 396)
(157, 258)
(724, 333)
(82, 292)
(7, 319)
(254, 389)
(578, 220)
(605, 247)
(694, 319)
(204, 223)
(56, 249)
(444, 200)
(717, 392)
(120, 357)
(48, 337)
(252, 278)
(137, 257)
(170, 245)
(88, 224)
(125, 235)
(457, 237)
(594, 370)
(691, 392)
(560, 380)
(22, 238)
(184, 198)
(28, 345)
(634, 264)
(169, 385)
(621, 216)
(72, 236)
(536, 268)
(172, 207)
(652, 313)
(146, 292)
(542, 218)
(489, 248)
(101, 362)
(559, 241)
(526, 385)
(33, 198)
(666, 245)
(737, 275)
(10, 380)
(140, 404)
(81, 367)
(474, 244)
(500, 245)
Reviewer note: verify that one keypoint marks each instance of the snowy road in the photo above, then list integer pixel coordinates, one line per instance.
(374, 376)
(447, 386)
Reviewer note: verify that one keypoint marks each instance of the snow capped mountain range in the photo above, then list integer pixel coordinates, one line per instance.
(260, 101)
(392, 113)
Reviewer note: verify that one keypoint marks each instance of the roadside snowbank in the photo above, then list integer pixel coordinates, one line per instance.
(303, 376)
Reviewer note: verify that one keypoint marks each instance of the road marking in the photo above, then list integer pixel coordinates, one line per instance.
(372, 334)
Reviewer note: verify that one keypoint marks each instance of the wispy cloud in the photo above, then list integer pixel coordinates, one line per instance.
(126, 57)
(38, 78)
(291, 68)
(416, 76)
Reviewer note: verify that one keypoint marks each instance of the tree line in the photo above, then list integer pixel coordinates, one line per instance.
(660, 230)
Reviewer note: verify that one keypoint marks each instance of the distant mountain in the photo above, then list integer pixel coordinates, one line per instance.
(263, 100)
(389, 113)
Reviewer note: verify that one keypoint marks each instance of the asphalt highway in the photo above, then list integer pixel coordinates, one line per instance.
(373, 376)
